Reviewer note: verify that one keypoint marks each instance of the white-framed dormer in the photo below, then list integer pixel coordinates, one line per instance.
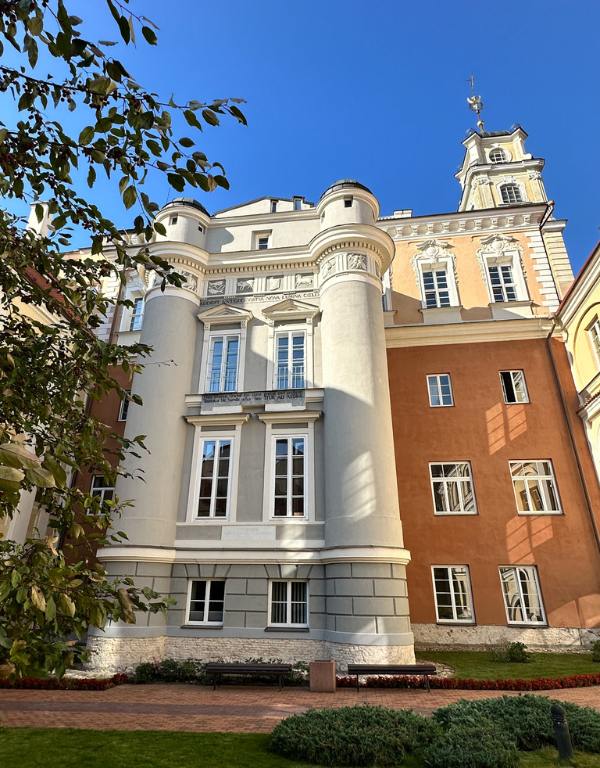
(288, 428)
(227, 326)
(502, 269)
(211, 450)
(435, 269)
(289, 320)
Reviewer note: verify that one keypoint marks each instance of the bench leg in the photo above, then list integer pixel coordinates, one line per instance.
(357, 685)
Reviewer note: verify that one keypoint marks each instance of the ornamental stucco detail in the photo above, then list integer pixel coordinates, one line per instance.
(244, 285)
(216, 288)
(436, 254)
(303, 281)
(498, 249)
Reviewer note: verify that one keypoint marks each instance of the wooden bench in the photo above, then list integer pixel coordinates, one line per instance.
(392, 669)
(217, 670)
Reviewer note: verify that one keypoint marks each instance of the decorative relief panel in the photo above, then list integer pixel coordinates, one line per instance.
(191, 282)
(216, 288)
(356, 261)
(244, 285)
(303, 282)
(274, 282)
(328, 267)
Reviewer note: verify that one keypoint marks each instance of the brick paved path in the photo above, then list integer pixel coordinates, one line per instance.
(178, 707)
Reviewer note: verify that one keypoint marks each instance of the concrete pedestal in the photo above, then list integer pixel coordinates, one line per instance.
(322, 676)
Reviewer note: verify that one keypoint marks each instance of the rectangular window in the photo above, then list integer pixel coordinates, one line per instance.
(452, 592)
(594, 337)
(288, 603)
(289, 477)
(435, 288)
(273, 206)
(223, 356)
(502, 283)
(291, 355)
(206, 601)
(535, 487)
(262, 242)
(439, 386)
(173, 220)
(347, 202)
(297, 203)
(124, 407)
(101, 489)
(522, 596)
(137, 315)
(514, 387)
(452, 489)
(215, 472)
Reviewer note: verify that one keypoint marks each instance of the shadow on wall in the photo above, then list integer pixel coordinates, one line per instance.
(504, 425)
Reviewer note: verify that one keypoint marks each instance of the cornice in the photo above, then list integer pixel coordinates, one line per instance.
(348, 237)
(514, 218)
(467, 332)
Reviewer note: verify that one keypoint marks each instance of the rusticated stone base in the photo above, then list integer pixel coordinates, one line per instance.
(123, 654)
(436, 636)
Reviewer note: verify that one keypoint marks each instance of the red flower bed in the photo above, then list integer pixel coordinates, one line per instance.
(468, 684)
(65, 684)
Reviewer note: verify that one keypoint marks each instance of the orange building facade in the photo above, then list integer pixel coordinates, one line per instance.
(498, 493)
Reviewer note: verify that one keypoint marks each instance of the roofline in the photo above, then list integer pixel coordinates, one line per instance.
(264, 197)
(581, 275)
(494, 134)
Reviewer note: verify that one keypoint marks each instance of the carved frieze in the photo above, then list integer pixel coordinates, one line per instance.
(274, 282)
(244, 285)
(303, 281)
(216, 288)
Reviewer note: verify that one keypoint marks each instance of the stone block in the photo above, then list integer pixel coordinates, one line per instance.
(257, 587)
(153, 569)
(355, 624)
(157, 620)
(354, 587)
(318, 620)
(399, 571)
(207, 570)
(317, 587)
(339, 605)
(246, 602)
(330, 622)
(338, 571)
(120, 569)
(179, 571)
(234, 619)
(390, 625)
(179, 586)
(401, 605)
(235, 587)
(372, 570)
(329, 586)
(389, 588)
(317, 603)
(273, 571)
(289, 570)
(162, 584)
(222, 571)
(373, 606)
(256, 619)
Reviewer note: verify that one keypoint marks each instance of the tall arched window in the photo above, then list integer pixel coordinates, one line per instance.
(511, 193)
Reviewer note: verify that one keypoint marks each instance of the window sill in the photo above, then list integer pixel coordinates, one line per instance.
(456, 514)
(509, 310)
(558, 513)
(457, 623)
(525, 625)
(439, 315)
(201, 626)
(287, 629)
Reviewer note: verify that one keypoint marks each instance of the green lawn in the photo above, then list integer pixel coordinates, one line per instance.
(481, 666)
(57, 748)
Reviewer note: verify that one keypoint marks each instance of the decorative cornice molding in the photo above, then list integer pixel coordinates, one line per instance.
(224, 313)
(470, 332)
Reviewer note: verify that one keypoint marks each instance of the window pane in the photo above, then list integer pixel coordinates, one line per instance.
(280, 507)
(439, 497)
(298, 507)
(216, 601)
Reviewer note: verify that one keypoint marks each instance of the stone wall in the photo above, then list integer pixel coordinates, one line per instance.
(437, 636)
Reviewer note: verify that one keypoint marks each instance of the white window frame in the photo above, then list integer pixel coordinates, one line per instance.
(272, 432)
(211, 336)
(455, 619)
(508, 258)
(104, 489)
(258, 236)
(205, 622)
(137, 301)
(446, 481)
(537, 477)
(516, 184)
(289, 495)
(593, 334)
(514, 372)
(531, 569)
(218, 322)
(434, 270)
(200, 437)
(503, 159)
(124, 406)
(305, 326)
(441, 263)
(280, 333)
(435, 378)
(289, 583)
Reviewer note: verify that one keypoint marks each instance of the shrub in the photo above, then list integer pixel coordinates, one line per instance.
(352, 736)
(169, 671)
(596, 650)
(515, 653)
(481, 745)
(526, 719)
(64, 683)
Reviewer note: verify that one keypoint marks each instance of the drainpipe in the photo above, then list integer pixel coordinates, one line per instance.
(565, 411)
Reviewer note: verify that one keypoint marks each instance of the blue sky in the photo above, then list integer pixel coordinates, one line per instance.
(376, 91)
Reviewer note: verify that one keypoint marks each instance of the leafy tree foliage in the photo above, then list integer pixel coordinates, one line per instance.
(51, 362)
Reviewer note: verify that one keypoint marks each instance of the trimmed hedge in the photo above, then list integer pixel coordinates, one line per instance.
(469, 684)
(353, 736)
(483, 745)
(65, 684)
(526, 719)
